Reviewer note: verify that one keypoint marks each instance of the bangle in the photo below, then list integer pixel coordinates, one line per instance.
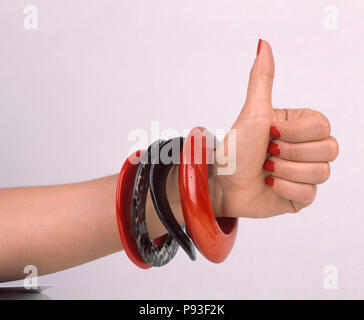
(154, 254)
(169, 154)
(123, 209)
(214, 238)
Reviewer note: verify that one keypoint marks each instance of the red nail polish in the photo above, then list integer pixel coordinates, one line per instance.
(269, 181)
(274, 149)
(268, 165)
(259, 44)
(274, 132)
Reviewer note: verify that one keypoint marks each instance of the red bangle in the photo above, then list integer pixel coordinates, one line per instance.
(124, 189)
(214, 238)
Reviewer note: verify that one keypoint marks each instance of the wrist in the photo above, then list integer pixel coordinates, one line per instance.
(174, 196)
(215, 191)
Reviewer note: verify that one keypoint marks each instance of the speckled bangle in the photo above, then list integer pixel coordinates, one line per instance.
(169, 154)
(124, 188)
(155, 255)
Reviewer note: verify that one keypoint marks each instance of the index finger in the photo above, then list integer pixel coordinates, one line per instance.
(313, 127)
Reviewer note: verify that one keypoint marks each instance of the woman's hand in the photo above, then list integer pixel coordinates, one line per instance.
(281, 154)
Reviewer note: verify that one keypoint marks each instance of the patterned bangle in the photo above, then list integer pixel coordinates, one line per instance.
(124, 189)
(154, 254)
(169, 154)
(214, 238)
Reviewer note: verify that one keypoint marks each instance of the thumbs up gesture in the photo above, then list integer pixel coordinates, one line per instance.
(280, 157)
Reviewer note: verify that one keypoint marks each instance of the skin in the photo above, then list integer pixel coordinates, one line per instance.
(58, 227)
(306, 148)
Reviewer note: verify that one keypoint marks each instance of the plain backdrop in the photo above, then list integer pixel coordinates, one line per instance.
(73, 89)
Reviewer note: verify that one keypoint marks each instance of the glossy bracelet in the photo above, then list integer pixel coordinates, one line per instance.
(155, 255)
(169, 154)
(124, 189)
(213, 237)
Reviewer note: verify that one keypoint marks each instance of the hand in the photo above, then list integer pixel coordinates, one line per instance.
(285, 179)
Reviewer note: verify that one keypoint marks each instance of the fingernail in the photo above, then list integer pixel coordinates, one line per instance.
(269, 181)
(259, 44)
(274, 149)
(268, 165)
(274, 132)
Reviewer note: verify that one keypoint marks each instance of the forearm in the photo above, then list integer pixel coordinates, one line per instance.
(58, 227)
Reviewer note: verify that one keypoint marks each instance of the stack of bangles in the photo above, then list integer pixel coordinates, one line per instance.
(148, 170)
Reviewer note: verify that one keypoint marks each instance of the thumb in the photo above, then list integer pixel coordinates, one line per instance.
(259, 95)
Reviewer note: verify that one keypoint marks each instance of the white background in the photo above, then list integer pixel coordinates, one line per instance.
(71, 91)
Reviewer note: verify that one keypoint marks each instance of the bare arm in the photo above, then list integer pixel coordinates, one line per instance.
(58, 227)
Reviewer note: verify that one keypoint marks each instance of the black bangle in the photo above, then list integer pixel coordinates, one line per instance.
(169, 154)
(154, 255)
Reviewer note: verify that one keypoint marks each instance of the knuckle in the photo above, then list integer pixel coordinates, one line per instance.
(283, 189)
(294, 152)
(323, 126)
(322, 172)
(333, 149)
(309, 194)
(307, 109)
(284, 170)
(292, 133)
(309, 112)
